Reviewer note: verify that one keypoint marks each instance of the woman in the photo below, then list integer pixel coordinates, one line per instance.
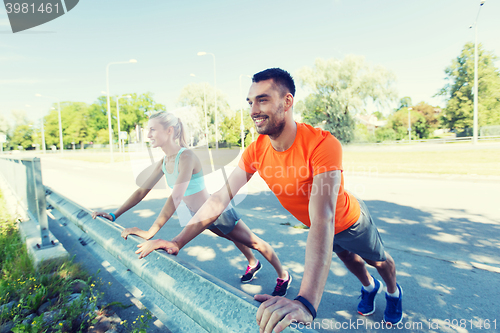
(184, 174)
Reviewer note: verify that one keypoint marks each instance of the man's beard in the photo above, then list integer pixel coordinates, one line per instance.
(276, 127)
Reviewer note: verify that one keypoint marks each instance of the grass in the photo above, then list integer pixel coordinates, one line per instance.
(28, 288)
(484, 162)
(54, 281)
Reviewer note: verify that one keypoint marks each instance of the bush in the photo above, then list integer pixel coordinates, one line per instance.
(385, 134)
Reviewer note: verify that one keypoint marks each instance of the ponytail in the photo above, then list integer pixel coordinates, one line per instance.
(180, 134)
(167, 120)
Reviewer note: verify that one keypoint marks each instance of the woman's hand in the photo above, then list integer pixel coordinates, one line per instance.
(103, 214)
(130, 231)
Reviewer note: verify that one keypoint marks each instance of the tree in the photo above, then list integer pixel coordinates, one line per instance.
(75, 119)
(196, 95)
(405, 102)
(230, 128)
(459, 89)
(4, 129)
(134, 112)
(429, 113)
(398, 121)
(23, 136)
(342, 88)
(23, 132)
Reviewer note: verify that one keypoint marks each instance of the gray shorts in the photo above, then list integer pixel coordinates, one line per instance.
(226, 222)
(361, 238)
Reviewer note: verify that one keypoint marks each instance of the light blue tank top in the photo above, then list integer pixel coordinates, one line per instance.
(196, 184)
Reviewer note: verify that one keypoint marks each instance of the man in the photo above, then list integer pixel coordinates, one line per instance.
(303, 167)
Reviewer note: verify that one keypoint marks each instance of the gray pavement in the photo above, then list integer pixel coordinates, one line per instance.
(443, 232)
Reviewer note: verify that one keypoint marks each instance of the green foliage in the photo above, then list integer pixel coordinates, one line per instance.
(405, 102)
(316, 111)
(201, 96)
(140, 324)
(362, 134)
(75, 120)
(459, 89)
(340, 89)
(430, 114)
(385, 134)
(23, 135)
(29, 289)
(82, 123)
(230, 128)
(398, 121)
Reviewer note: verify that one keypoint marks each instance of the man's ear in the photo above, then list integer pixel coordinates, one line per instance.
(288, 101)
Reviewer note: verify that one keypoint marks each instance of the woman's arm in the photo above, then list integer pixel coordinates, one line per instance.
(205, 216)
(186, 167)
(137, 196)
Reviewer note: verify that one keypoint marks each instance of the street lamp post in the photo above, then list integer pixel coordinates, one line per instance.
(475, 119)
(216, 115)
(242, 126)
(43, 134)
(110, 129)
(120, 146)
(409, 124)
(61, 144)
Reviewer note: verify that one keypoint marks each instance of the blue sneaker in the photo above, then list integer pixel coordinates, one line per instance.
(367, 304)
(394, 311)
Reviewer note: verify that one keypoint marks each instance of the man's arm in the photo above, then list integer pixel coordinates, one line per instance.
(205, 216)
(278, 312)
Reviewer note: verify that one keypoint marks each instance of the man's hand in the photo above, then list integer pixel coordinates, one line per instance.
(278, 313)
(149, 246)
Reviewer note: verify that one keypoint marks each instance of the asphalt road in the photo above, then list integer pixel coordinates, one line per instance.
(443, 232)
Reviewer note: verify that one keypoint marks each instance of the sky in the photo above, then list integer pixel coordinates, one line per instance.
(66, 58)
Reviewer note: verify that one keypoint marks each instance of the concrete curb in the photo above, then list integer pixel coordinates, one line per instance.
(212, 304)
(29, 229)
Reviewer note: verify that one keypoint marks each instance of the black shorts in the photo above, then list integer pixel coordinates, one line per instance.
(361, 238)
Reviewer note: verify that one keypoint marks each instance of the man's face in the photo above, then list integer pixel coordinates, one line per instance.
(267, 108)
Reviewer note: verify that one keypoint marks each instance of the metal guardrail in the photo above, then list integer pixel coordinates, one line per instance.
(210, 303)
(24, 177)
(433, 141)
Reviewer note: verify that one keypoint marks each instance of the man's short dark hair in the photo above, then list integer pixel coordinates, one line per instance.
(281, 78)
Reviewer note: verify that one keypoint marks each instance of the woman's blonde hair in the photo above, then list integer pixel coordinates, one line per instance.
(167, 120)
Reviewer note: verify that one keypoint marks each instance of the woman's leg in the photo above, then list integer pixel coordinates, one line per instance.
(247, 252)
(242, 234)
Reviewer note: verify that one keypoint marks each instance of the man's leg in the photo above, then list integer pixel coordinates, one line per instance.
(356, 265)
(387, 270)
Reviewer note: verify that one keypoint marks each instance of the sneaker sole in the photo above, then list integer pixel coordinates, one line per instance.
(374, 305)
(254, 274)
(400, 320)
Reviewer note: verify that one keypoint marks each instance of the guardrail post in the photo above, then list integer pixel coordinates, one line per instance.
(40, 205)
(24, 177)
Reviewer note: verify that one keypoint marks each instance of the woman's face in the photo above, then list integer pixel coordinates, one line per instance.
(157, 134)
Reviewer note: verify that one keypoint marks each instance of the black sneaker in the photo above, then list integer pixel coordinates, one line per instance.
(250, 272)
(282, 286)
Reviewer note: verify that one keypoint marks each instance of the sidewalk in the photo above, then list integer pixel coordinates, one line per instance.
(443, 235)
